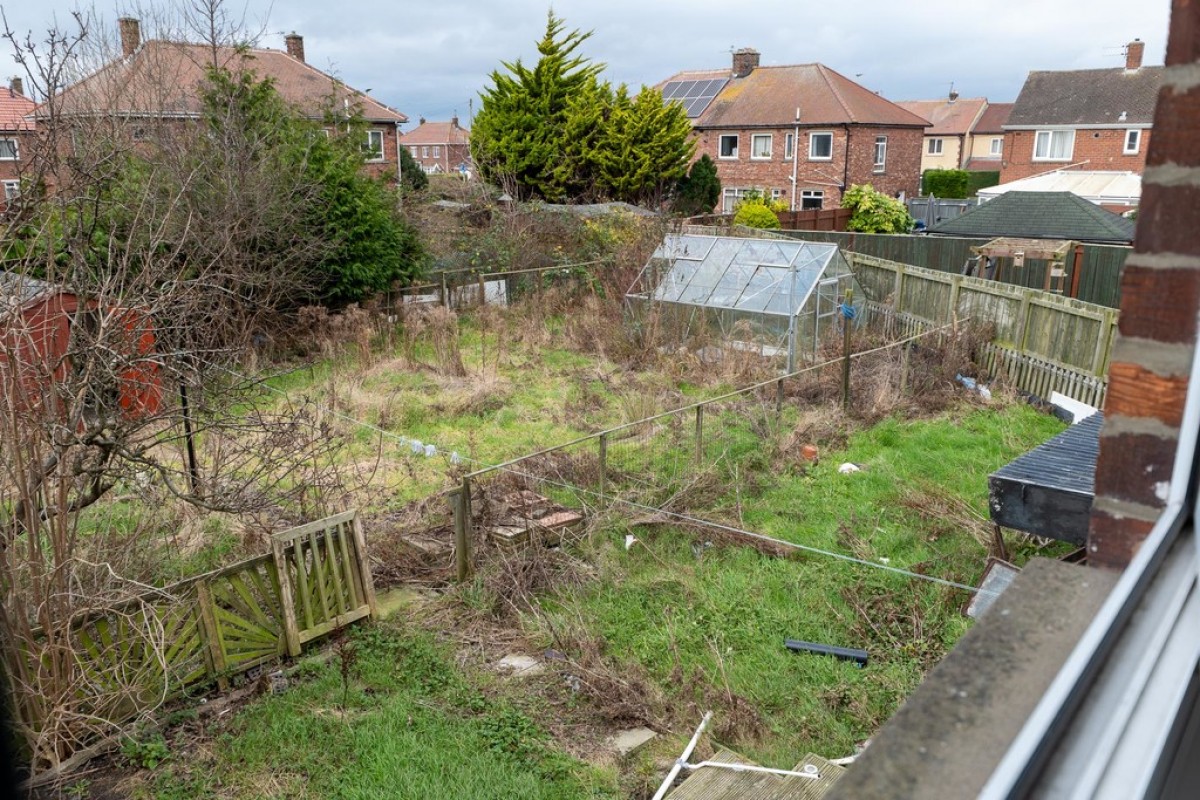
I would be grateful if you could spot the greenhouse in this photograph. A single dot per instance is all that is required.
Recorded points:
(779, 297)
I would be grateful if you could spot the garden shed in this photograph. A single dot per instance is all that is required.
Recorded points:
(775, 297)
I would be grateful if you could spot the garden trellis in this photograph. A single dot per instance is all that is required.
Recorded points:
(775, 297)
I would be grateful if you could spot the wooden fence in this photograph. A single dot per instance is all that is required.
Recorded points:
(1053, 328)
(814, 219)
(133, 656)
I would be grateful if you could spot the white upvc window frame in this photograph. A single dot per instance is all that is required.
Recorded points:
(1133, 142)
(996, 148)
(880, 154)
(12, 190)
(1048, 136)
(935, 147)
(414, 150)
(16, 148)
(789, 146)
(812, 141)
(721, 146)
(424, 151)
(374, 154)
(755, 140)
(437, 151)
(810, 195)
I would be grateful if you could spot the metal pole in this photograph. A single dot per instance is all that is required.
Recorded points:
(193, 469)
(846, 350)
(687, 752)
(699, 435)
(795, 156)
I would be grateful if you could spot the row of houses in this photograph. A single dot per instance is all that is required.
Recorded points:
(801, 133)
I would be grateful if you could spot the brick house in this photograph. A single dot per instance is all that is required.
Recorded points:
(16, 139)
(158, 80)
(987, 141)
(950, 139)
(1091, 119)
(801, 133)
(440, 147)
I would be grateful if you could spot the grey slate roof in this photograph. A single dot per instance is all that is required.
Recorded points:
(16, 290)
(1040, 215)
(1087, 97)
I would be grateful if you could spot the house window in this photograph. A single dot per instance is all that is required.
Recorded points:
(1053, 145)
(1133, 141)
(820, 147)
(880, 153)
(8, 150)
(729, 145)
(997, 145)
(437, 151)
(789, 146)
(731, 197)
(760, 146)
(425, 151)
(12, 190)
(812, 199)
(935, 147)
(414, 151)
(374, 146)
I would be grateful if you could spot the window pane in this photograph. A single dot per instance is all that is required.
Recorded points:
(789, 145)
(729, 145)
(820, 145)
(760, 146)
(8, 148)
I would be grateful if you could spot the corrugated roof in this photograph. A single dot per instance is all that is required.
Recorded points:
(948, 117)
(13, 110)
(770, 95)
(1093, 186)
(16, 289)
(162, 78)
(437, 133)
(1040, 215)
(1088, 97)
(994, 117)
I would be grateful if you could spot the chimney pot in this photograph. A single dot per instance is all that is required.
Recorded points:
(454, 121)
(1133, 54)
(745, 61)
(953, 95)
(131, 35)
(295, 45)
(420, 120)
(17, 86)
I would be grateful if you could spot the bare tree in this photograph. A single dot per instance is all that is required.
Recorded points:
(126, 307)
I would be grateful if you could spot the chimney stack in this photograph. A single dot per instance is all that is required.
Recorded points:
(131, 35)
(1133, 54)
(420, 120)
(295, 45)
(454, 121)
(744, 61)
(953, 95)
(17, 86)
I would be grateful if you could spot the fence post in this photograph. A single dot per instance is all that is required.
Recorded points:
(955, 289)
(364, 565)
(603, 464)
(779, 396)
(904, 367)
(699, 435)
(1102, 343)
(898, 292)
(445, 294)
(461, 503)
(482, 290)
(1023, 320)
(846, 351)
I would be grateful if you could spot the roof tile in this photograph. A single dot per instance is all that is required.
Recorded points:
(1088, 97)
(948, 117)
(1040, 215)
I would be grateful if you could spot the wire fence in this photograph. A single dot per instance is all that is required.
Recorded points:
(664, 467)
(471, 288)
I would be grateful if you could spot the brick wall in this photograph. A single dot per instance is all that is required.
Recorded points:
(1160, 298)
(448, 158)
(387, 167)
(857, 143)
(1101, 149)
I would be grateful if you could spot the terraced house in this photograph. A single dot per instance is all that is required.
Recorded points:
(16, 138)
(802, 133)
(156, 83)
(1087, 119)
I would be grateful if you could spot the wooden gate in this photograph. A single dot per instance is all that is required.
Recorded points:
(324, 578)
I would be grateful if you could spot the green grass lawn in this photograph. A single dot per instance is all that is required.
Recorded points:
(406, 725)
(705, 623)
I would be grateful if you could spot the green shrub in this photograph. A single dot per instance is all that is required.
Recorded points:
(755, 215)
(981, 180)
(948, 183)
(875, 212)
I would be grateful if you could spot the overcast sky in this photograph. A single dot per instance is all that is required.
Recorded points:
(430, 58)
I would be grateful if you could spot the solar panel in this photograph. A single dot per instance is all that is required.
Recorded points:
(694, 96)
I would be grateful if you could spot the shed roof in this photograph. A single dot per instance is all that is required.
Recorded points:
(16, 290)
(1040, 215)
(949, 117)
(163, 79)
(1087, 97)
(1095, 186)
(768, 96)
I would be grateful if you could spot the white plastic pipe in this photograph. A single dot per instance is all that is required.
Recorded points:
(679, 764)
